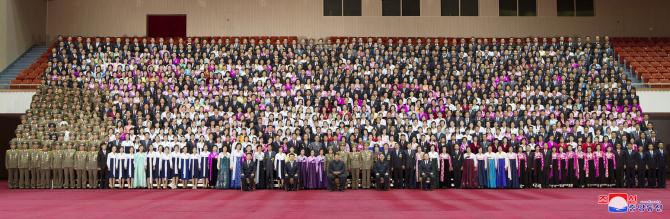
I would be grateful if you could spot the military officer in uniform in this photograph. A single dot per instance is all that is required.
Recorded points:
(92, 166)
(367, 161)
(57, 165)
(45, 167)
(12, 165)
(68, 166)
(80, 166)
(35, 169)
(355, 160)
(24, 166)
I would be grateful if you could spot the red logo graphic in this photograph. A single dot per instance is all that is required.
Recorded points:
(603, 199)
(632, 199)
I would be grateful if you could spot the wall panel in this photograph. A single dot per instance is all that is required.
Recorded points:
(305, 18)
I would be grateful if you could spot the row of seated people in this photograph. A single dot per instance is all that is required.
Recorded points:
(314, 96)
(57, 165)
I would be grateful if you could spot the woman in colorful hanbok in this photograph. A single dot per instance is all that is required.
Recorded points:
(223, 180)
(236, 166)
(469, 174)
(502, 165)
(140, 169)
(491, 164)
(481, 159)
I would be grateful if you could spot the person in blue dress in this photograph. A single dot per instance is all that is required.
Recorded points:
(185, 166)
(236, 166)
(197, 168)
(491, 168)
(481, 168)
(512, 169)
(501, 168)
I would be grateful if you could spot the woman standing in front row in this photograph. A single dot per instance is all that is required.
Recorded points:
(140, 168)
(491, 168)
(512, 169)
(223, 181)
(481, 168)
(197, 167)
(185, 167)
(165, 168)
(113, 168)
(469, 177)
(236, 166)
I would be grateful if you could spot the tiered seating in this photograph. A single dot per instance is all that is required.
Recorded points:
(31, 77)
(252, 94)
(648, 58)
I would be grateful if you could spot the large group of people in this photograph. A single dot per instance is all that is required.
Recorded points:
(309, 114)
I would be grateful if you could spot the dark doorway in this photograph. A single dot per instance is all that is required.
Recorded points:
(166, 25)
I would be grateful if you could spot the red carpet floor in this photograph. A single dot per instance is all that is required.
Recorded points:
(453, 203)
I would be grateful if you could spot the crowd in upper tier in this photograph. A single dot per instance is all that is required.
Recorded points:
(496, 113)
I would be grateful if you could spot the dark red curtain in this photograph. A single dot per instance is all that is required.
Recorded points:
(166, 25)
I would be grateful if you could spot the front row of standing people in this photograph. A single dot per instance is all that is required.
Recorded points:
(37, 165)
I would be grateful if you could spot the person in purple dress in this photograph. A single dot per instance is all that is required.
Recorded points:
(312, 173)
(302, 163)
(320, 168)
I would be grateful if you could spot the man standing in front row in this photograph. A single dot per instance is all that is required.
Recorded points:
(336, 170)
(12, 165)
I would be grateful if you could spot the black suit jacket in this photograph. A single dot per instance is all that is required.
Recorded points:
(397, 159)
(102, 159)
(291, 169)
(425, 167)
(248, 168)
(651, 161)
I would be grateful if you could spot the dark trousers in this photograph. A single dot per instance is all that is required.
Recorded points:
(398, 178)
(103, 178)
(410, 183)
(291, 183)
(651, 178)
(631, 178)
(426, 180)
(382, 182)
(248, 183)
(661, 178)
(341, 177)
(457, 177)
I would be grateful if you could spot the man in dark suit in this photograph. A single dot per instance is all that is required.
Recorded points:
(631, 166)
(336, 170)
(397, 167)
(663, 160)
(425, 172)
(291, 170)
(248, 174)
(651, 160)
(547, 167)
(381, 172)
(102, 167)
(410, 164)
(457, 163)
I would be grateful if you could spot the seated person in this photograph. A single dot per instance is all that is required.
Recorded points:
(381, 171)
(291, 170)
(248, 174)
(425, 172)
(337, 174)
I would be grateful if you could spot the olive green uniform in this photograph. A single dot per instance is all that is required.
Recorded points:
(355, 163)
(12, 165)
(45, 171)
(366, 164)
(68, 168)
(24, 166)
(80, 168)
(35, 169)
(57, 167)
(92, 168)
